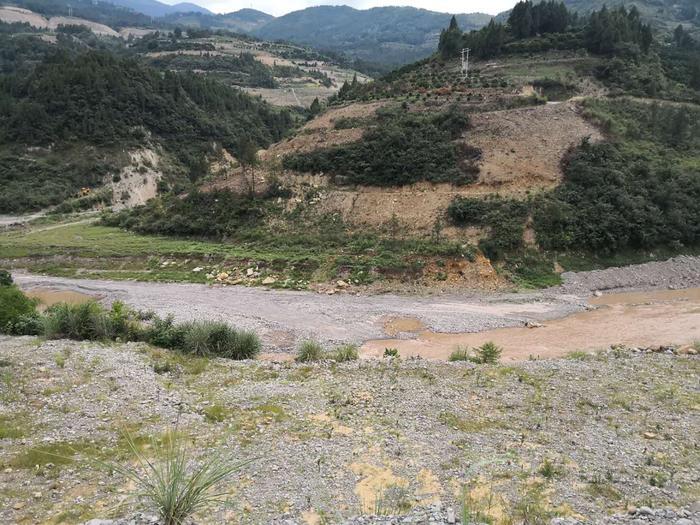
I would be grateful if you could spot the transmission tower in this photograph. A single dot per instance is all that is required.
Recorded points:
(465, 62)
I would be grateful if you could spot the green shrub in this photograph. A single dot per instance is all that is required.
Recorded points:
(402, 148)
(488, 353)
(14, 306)
(391, 352)
(29, 324)
(345, 353)
(90, 321)
(213, 338)
(309, 351)
(5, 278)
(164, 332)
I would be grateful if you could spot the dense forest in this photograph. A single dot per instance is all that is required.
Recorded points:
(96, 10)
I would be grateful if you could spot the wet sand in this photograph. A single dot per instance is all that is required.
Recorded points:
(48, 297)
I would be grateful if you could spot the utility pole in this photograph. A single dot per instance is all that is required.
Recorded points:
(465, 62)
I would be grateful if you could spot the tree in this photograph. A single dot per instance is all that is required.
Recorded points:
(315, 108)
(450, 40)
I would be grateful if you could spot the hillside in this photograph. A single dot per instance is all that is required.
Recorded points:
(390, 35)
(243, 21)
(575, 144)
(61, 132)
(158, 9)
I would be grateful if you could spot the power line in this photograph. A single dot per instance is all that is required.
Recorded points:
(465, 62)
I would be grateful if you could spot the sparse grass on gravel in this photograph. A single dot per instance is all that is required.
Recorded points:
(548, 438)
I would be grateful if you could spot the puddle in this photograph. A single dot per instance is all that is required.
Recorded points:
(48, 297)
(397, 325)
(634, 319)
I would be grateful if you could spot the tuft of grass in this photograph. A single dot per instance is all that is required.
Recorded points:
(486, 354)
(309, 351)
(205, 338)
(345, 353)
(216, 413)
(548, 469)
(172, 482)
(461, 353)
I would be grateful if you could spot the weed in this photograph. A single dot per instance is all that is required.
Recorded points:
(345, 353)
(461, 353)
(172, 482)
(391, 352)
(309, 351)
(488, 353)
(548, 469)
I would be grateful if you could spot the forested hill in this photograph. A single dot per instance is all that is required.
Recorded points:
(68, 116)
(100, 98)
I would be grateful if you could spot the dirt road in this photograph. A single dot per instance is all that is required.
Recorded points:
(283, 318)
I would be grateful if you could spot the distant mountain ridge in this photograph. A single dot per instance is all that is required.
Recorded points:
(159, 9)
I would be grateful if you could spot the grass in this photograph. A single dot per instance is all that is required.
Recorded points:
(172, 482)
(471, 425)
(345, 353)
(309, 351)
(297, 254)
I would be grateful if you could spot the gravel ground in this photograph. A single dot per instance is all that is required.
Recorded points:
(283, 318)
(679, 272)
(582, 439)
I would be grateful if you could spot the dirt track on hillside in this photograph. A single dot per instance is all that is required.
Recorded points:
(284, 318)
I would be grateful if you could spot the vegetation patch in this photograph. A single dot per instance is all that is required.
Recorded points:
(404, 147)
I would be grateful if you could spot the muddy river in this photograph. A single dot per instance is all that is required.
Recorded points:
(634, 319)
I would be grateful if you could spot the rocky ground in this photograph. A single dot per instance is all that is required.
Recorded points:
(578, 439)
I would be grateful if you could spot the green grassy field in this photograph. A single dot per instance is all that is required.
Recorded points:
(87, 249)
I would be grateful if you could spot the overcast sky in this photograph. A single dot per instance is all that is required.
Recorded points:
(278, 7)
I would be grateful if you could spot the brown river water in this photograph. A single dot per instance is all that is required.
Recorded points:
(635, 319)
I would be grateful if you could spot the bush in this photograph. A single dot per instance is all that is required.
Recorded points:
(208, 338)
(14, 306)
(345, 353)
(309, 351)
(29, 324)
(5, 278)
(402, 148)
(488, 353)
(90, 321)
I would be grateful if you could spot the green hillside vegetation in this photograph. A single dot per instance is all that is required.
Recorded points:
(402, 148)
(74, 99)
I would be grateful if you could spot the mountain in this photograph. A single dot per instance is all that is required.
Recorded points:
(243, 21)
(390, 35)
(159, 9)
(664, 15)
